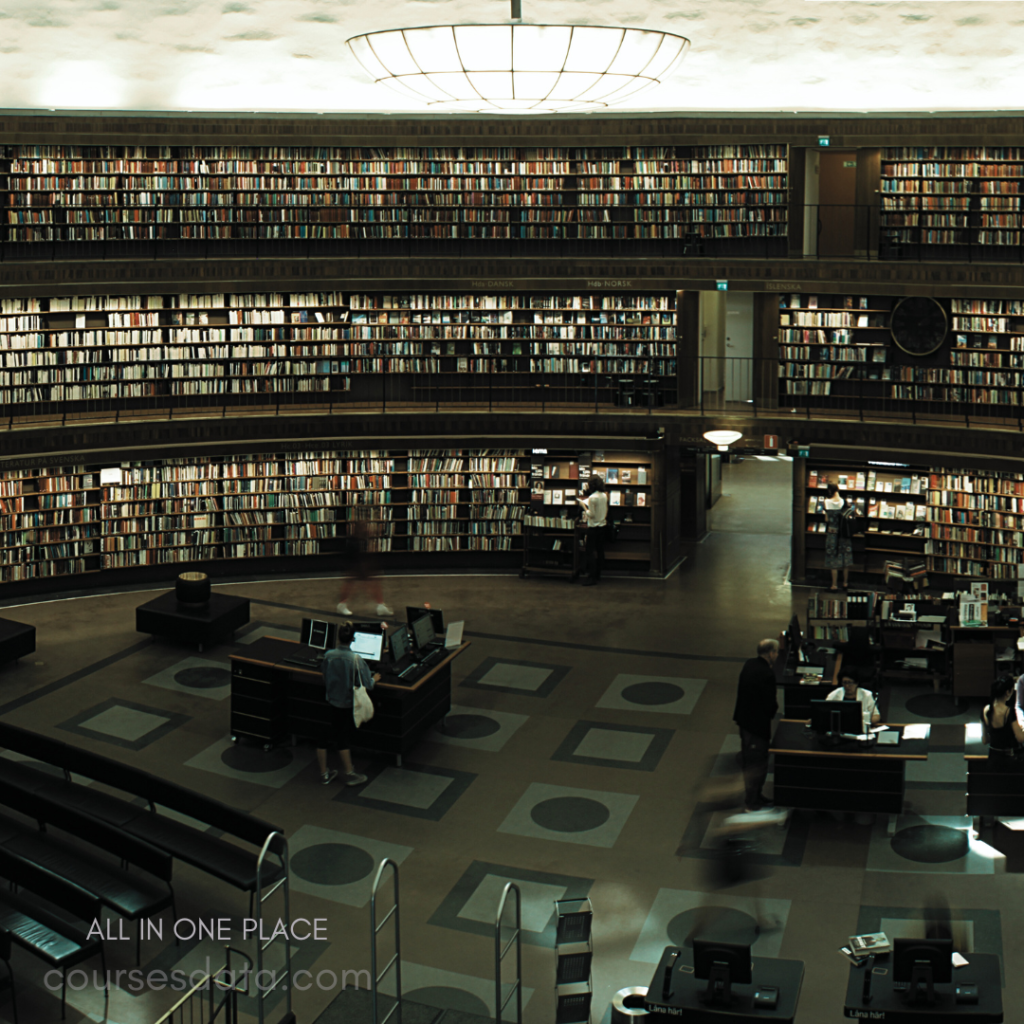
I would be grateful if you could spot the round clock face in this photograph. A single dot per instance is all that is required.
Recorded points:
(919, 325)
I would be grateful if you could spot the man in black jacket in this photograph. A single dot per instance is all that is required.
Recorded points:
(755, 708)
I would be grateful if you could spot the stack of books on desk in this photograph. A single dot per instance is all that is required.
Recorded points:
(871, 943)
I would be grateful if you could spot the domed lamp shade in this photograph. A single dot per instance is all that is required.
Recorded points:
(722, 438)
(516, 68)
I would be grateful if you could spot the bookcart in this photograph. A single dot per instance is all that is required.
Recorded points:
(550, 550)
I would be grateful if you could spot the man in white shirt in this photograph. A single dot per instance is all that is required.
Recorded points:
(595, 507)
(851, 691)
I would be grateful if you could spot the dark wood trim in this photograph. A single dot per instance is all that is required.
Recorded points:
(701, 128)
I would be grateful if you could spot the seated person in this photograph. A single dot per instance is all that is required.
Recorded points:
(1003, 733)
(854, 655)
(851, 691)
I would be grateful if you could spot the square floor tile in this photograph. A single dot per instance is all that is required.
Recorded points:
(449, 990)
(199, 676)
(605, 745)
(678, 914)
(124, 723)
(588, 817)
(509, 675)
(472, 904)
(476, 728)
(415, 790)
(339, 866)
(663, 695)
(262, 629)
(271, 768)
(930, 844)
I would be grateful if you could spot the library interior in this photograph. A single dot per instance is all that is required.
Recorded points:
(325, 323)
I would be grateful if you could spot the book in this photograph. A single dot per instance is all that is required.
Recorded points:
(812, 478)
(843, 480)
(864, 302)
(615, 497)
(641, 498)
(641, 475)
(873, 942)
(574, 470)
(794, 302)
(556, 497)
(629, 498)
(860, 481)
(611, 475)
(812, 302)
(862, 320)
(547, 497)
(625, 475)
(871, 479)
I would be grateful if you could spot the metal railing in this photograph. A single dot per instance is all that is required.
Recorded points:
(376, 977)
(501, 950)
(214, 998)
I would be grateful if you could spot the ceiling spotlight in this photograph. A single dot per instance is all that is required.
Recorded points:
(519, 68)
(722, 438)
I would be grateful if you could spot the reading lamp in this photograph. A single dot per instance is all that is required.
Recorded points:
(722, 438)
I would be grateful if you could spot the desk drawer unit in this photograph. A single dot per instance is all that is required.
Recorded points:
(838, 783)
(995, 790)
(257, 704)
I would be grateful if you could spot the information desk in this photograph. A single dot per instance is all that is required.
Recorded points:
(887, 1004)
(685, 1001)
(16, 640)
(273, 702)
(814, 774)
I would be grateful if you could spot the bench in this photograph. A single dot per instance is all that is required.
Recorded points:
(247, 870)
(40, 930)
(131, 896)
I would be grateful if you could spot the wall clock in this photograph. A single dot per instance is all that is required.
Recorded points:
(918, 325)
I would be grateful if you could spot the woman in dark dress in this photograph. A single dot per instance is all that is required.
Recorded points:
(1003, 733)
(840, 517)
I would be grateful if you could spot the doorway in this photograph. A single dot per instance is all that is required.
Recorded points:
(739, 347)
(837, 197)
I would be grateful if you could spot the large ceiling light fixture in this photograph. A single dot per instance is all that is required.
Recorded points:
(517, 68)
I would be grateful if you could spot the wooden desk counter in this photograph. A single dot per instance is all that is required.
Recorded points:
(273, 702)
(995, 787)
(813, 775)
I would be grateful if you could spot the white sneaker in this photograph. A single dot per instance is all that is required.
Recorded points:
(343, 609)
(354, 779)
(382, 609)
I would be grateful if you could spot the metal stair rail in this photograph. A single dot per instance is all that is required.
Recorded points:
(277, 845)
(199, 1005)
(500, 952)
(574, 945)
(396, 960)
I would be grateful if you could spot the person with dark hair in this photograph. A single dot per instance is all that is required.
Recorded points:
(362, 569)
(1003, 733)
(595, 509)
(343, 671)
(755, 708)
(841, 518)
(849, 690)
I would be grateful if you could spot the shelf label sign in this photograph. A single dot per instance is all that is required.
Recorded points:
(771, 442)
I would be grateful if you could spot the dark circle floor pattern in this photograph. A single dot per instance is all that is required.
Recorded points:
(933, 705)
(470, 727)
(721, 924)
(203, 678)
(255, 759)
(445, 998)
(570, 814)
(930, 844)
(331, 864)
(652, 693)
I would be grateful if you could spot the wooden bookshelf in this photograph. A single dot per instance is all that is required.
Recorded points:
(922, 521)
(133, 351)
(721, 195)
(947, 198)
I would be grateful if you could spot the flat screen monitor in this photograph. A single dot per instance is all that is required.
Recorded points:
(837, 716)
(922, 960)
(412, 614)
(319, 634)
(721, 964)
(400, 643)
(423, 630)
(367, 645)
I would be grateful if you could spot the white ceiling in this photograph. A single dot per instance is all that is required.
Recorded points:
(289, 55)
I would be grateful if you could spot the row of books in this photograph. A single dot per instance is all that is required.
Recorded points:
(871, 480)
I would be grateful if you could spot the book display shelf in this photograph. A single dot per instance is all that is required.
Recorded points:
(158, 351)
(921, 525)
(211, 510)
(946, 199)
(559, 478)
(829, 616)
(648, 199)
(832, 354)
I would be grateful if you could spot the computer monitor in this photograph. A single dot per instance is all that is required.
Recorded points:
(927, 962)
(412, 613)
(721, 964)
(400, 643)
(367, 645)
(423, 630)
(318, 633)
(837, 716)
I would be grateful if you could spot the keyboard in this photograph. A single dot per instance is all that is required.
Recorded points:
(305, 662)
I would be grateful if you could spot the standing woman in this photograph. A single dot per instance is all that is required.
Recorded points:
(595, 505)
(838, 536)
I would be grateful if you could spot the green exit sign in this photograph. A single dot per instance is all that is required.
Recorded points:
(803, 453)
(823, 140)
(849, 163)
(722, 286)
